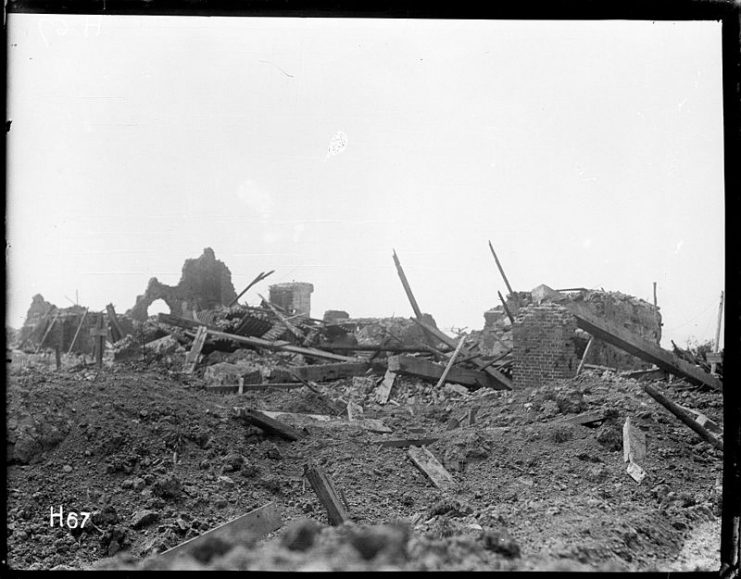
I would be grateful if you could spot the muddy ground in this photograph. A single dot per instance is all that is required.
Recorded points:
(158, 460)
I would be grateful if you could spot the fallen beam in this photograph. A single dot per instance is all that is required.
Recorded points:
(324, 372)
(328, 495)
(268, 424)
(639, 347)
(425, 461)
(684, 416)
(234, 389)
(376, 348)
(499, 381)
(587, 418)
(256, 524)
(450, 363)
(409, 366)
(384, 388)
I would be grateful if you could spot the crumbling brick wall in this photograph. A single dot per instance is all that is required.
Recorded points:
(544, 348)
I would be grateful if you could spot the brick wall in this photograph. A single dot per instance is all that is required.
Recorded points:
(543, 345)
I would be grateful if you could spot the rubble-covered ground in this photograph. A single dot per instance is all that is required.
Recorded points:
(158, 460)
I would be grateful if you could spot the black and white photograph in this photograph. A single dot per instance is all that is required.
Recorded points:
(316, 292)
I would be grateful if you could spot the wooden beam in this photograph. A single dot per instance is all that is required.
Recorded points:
(410, 366)
(329, 497)
(506, 309)
(324, 372)
(587, 418)
(46, 333)
(425, 461)
(268, 424)
(450, 363)
(684, 416)
(180, 322)
(584, 356)
(376, 348)
(283, 320)
(256, 523)
(77, 332)
(99, 333)
(194, 354)
(261, 276)
(115, 324)
(407, 288)
(498, 382)
(639, 347)
(501, 271)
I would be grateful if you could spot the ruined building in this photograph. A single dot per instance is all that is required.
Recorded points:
(293, 297)
(205, 283)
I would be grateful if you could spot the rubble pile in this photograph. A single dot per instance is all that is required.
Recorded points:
(255, 437)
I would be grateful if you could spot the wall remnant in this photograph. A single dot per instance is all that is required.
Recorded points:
(205, 284)
(292, 297)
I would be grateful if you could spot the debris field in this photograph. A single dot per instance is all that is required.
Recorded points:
(228, 436)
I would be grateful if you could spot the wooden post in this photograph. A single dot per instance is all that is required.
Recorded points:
(117, 332)
(58, 356)
(584, 356)
(407, 288)
(328, 495)
(450, 363)
(714, 365)
(46, 333)
(191, 358)
(501, 271)
(99, 334)
(77, 332)
(680, 413)
(506, 309)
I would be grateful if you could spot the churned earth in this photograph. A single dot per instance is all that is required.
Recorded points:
(158, 459)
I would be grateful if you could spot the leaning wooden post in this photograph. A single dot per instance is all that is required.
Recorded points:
(77, 332)
(584, 356)
(46, 333)
(501, 271)
(407, 288)
(684, 416)
(506, 309)
(450, 363)
(328, 495)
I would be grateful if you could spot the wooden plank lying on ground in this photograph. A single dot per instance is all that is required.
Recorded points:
(194, 354)
(684, 416)
(404, 442)
(703, 420)
(256, 523)
(371, 424)
(638, 346)
(268, 424)
(587, 417)
(425, 461)
(233, 389)
(328, 495)
(409, 366)
(324, 372)
(384, 388)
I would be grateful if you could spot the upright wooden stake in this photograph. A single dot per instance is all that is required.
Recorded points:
(46, 333)
(99, 333)
(77, 332)
(407, 289)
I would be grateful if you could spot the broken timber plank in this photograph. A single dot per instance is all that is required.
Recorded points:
(501, 271)
(499, 381)
(278, 345)
(584, 355)
(639, 347)
(425, 461)
(191, 358)
(634, 443)
(450, 363)
(328, 495)
(684, 416)
(409, 366)
(384, 389)
(261, 276)
(268, 424)
(256, 524)
(587, 418)
(283, 320)
(77, 332)
(506, 309)
(404, 442)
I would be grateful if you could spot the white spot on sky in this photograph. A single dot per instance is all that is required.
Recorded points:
(256, 199)
(337, 144)
(679, 246)
(587, 243)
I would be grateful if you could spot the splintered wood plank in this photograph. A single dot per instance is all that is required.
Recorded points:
(192, 357)
(418, 367)
(384, 389)
(587, 417)
(425, 461)
(634, 443)
(269, 424)
(256, 523)
(328, 495)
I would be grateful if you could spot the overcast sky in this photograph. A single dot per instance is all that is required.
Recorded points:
(589, 153)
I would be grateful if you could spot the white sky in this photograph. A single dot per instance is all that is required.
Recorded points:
(589, 153)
